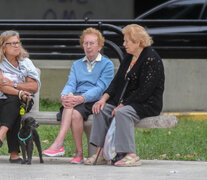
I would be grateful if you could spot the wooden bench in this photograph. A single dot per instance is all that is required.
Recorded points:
(49, 118)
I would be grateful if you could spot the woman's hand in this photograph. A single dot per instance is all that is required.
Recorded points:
(1, 81)
(114, 111)
(5, 82)
(71, 101)
(99, 105)
(23, 95)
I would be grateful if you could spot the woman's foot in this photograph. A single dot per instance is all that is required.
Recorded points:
(16, 161)
(92, 159)
(77, 160)
(14, 158)
(53, 153)
(128, 161)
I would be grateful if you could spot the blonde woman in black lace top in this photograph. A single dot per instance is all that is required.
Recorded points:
(143, 96)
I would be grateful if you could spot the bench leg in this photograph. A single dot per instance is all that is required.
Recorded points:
(91, 148)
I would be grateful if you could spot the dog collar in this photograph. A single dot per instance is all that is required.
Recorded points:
(24, 139)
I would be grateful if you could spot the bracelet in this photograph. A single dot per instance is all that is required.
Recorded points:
(19, 94)
(23, 95)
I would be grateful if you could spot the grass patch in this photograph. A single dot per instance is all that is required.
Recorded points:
(48, 105)
(186, 141)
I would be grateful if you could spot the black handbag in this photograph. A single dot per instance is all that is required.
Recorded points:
(59, 114)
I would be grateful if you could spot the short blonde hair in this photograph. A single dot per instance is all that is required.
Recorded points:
(4, 37)
(137, 33)
(92, 31)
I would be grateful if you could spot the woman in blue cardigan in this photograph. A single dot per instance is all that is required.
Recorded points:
(143, 97)
(89, 78)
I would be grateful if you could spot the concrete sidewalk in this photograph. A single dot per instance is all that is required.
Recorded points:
(59, 168)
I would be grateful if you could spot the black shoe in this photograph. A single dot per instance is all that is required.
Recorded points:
(1, 143)
(118, 157)
(58, 116)
(16, 161)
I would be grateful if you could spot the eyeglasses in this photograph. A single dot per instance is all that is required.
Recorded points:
(14, 44)
(85, 44)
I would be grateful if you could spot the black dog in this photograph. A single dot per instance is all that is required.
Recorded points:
(27, 134)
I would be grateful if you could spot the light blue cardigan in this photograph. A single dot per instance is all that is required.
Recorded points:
(91, 85)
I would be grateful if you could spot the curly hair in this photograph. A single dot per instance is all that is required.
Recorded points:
(4, 37)
(92, 31)
(137, 33)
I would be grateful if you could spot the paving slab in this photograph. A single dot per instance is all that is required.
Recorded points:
(60, 169)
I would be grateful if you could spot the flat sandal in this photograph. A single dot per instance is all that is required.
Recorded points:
(129, 161)
(100, 160)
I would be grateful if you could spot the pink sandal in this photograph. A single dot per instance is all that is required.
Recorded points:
(53, 153)
(77, 160)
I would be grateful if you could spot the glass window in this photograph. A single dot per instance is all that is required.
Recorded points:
(187, 9)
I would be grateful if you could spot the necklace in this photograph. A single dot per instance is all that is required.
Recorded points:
(134, 60)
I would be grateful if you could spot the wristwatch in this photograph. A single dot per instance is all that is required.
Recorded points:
(15, 85)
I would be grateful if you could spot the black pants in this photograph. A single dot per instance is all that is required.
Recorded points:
(10, 117)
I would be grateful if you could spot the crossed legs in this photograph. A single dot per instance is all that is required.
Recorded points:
(71, 118)
(65, 125)
(77, 131)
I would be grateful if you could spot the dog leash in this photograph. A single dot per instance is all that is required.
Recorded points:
(24, 139)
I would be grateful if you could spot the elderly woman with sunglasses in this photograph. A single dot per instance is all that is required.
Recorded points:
(18, 79)
(89, 78)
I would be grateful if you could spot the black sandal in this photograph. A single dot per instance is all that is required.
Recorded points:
(16, 161)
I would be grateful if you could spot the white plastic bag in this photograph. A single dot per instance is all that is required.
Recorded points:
(109, 144)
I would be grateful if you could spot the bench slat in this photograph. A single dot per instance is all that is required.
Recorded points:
(161, 121)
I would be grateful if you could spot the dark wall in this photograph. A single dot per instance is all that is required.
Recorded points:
(66, 9)
(146, 5)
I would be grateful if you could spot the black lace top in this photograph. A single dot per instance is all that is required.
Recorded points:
(146, 85)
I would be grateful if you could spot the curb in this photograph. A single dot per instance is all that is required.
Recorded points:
(197, 116)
